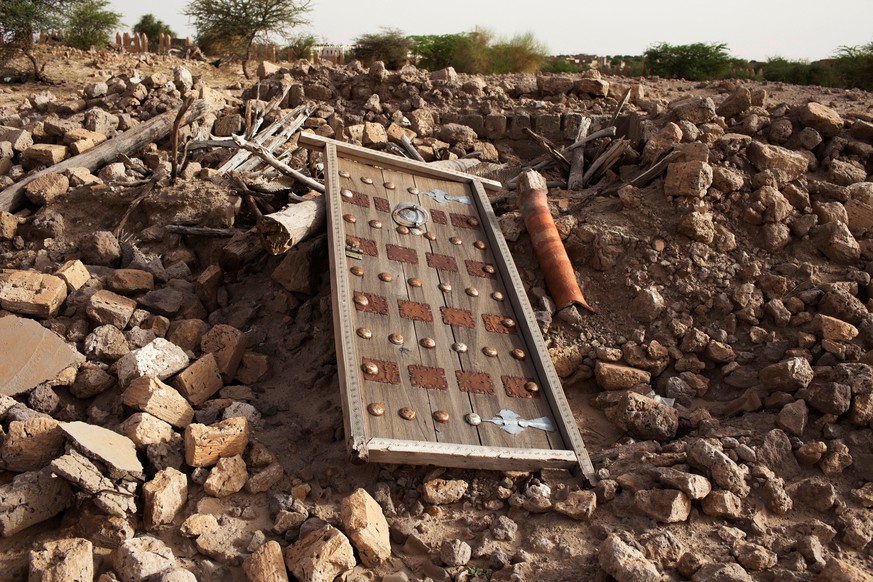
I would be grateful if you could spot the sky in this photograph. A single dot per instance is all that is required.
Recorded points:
(752, 29)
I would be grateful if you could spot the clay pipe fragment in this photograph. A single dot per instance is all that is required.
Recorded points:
(554, 262)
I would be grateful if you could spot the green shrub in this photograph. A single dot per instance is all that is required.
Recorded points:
(152, 27)
(694, 62)
(90, 24)
(854, 64)
(436, 51)
(390, 46)
(522, 53)
(300, 46)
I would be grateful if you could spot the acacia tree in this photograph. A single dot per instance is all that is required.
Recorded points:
(89, 24)
(20, 20)
(239, 23)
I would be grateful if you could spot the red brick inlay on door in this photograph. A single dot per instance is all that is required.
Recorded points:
(428, 377)
(367, 246)
(475, 382)
(388, 372)
(514, 387)
(441, 262)
(402, 254)
(458, 317)
(414, 310)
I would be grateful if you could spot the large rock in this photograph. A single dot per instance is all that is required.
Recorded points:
(836, 242)
(159, 358)
(31, 293)
(691, 179)
(266, 564)
(618, 377)
(663, 505)
(112, 499)
(31, 443)
(321, 556)
(643, 417)
(31, 498)
(725, 472)
(64, 560)
(228, 476)
(823, 119)
(624, 562)
(364, 522)
(695, 110)
(694, 486)
(140, 558)
(31, 355)
(785, 164)
(443, 492)
(148, 394)
(787, 376)
(164, 497)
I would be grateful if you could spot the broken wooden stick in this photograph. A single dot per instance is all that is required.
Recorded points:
(577, 158)
(581, 141)
(262, 153)
(647, 176)
(284, 229)
(174, 139)
(132, 140)
(606, 161)
(407, 145)
(554, 262)
(200, 231)
(548, 147)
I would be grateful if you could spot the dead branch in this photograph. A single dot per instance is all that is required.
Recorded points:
(174, 141)
(548, 147)
(200, 231)
(265, 155)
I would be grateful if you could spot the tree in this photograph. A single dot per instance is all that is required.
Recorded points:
(90, 23)
(20, 20)
(300, 46)
(237, 24)
(694, 62)
(390, 46)
(152, 27)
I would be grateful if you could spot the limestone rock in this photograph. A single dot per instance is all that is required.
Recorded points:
(321, 556)
(691, 179)
(266, 564)
(199, 381)
(164, 497)
(228, 476)
(364, 522)
(723, 504)
(821, 118)
(694, 486)
(148, 394)
(624, 562)
(204, 445)
(32, 498)
(617, 377)
(579, 505)
(455, 552)
(69, 559)
(144, 429)
(228, 345)
(643, 417)
(159, 358)
(442, 492)
(31, 293)
(725, 472)
(31, 444)
(787, 165)
(140, 558)
(116, 451)
(663, 505)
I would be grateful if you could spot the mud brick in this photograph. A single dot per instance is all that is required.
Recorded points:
(402, 254)
(130, 281)
(428, 377)
(438, 217)
(8, 225)
(514, 387)
(477, 269)
(148, 394)
(199, 381)
(458, 317)
(475, 382)
(266, 564)
(207, 284)
(441, 262)
(42, 154)
(375, 304)
(227, 344)
(74, 274)
(382, 204)
(358, 199)
(106, 307)
(414, 310)
(205, 444)
(367, 246)
(494, 323)
(388, 372)
(31, 293)
(67, 559)
(464, 221)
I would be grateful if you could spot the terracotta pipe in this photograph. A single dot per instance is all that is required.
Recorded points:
(554, 262)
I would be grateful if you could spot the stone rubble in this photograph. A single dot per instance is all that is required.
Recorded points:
(727, 375)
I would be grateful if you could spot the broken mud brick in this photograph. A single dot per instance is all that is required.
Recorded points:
(477, 269)
(402, 254)
(494, 323)
(441, 262)
(515, 387)
(367, 246)
(374, 304)
(388, 372)
(381, 204)
(427, 377)
(358, 199)
(458, 317)
(438, 217)
(415, 311)
(475, 382)
(464, 221)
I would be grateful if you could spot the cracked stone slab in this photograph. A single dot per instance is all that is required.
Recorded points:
(115, 451)
(80, 471)
(32, 355)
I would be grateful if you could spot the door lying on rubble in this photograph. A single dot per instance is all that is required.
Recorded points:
(440, 358)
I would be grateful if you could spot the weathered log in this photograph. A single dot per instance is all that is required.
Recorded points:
(200, 231)
(284, 229)
(554, 262)
(155, 129)
(577, 158)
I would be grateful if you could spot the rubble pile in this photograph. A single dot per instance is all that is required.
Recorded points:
(170, 408)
